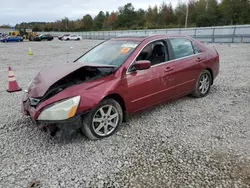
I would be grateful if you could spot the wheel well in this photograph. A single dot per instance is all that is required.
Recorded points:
(119, 99)
(211, 72)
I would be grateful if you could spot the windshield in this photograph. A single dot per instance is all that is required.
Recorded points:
(111, 52)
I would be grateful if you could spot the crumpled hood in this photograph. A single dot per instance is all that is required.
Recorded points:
(51, 75)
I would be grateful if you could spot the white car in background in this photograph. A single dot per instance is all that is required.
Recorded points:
(72, 37)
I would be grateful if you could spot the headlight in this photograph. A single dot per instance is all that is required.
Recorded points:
(61, 110)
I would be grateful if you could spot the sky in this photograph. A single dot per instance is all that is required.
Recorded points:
(16, 11)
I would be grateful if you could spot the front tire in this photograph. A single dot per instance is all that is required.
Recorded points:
(103, 121)
(203, 84)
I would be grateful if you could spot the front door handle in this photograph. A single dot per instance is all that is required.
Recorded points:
(168, 69)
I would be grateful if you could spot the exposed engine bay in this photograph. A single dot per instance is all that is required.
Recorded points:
(77, 77)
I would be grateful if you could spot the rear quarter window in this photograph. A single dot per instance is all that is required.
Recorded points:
(196, 48)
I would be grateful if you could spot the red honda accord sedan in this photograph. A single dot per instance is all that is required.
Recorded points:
(118, 77)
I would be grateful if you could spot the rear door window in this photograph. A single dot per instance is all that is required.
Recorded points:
(182, 47)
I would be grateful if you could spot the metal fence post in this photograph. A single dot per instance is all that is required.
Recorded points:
(233, 34)
(213, 34)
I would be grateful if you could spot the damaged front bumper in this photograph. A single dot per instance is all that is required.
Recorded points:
(62, 129)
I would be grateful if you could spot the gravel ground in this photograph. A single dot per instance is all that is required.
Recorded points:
(185, 143)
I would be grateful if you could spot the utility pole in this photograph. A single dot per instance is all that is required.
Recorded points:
(186, 14)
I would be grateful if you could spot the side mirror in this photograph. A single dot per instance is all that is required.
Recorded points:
(142, 65)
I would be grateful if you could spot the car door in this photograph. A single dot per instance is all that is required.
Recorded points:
(164, 74)
(139, 88)
(146, 87)
(12, 39)
(186, 62)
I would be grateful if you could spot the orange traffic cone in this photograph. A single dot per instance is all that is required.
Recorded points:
(13, 85)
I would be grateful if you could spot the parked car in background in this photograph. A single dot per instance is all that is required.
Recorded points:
(43, 37)
(3, 35)
(7, 38)
(64, 35)
(72, 37)
(119, 77)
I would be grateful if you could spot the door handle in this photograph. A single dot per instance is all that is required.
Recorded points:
(168, 69)
(199, 59)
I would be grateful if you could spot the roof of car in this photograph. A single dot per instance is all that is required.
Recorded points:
(141, 37)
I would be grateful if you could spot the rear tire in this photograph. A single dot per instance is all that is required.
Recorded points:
(103, 121)
(203, 84)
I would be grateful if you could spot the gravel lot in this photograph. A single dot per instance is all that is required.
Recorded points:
(185, 143)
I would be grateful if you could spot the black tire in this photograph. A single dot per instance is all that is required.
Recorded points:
(67, 39)
(87, 126)
(197, 93)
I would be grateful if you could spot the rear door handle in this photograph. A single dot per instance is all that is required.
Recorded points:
(199, 59)
(168, 69)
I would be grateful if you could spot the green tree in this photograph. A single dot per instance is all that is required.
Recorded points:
(232, 11)
(87, 22)
(201, 13)
(202, 18)
(244, 17)
(99, 20)
(140, 18)
(152, 17)
(180, 13)
(5, 26)
(192, 12)
(126, 15)
(212, 12)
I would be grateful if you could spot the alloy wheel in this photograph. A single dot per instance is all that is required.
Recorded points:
(105, 120)
(204, 83)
